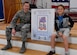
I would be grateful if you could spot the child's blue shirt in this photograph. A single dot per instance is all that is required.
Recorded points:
(60, 21)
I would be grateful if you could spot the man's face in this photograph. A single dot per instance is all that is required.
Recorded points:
(26, 7)
(60, 10)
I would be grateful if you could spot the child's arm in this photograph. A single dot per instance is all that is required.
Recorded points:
(71, 22)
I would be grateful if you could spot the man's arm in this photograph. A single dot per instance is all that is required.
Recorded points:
(14, 20)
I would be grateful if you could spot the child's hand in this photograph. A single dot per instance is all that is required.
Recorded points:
(60, 33)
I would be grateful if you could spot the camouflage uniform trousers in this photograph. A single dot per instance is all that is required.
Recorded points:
(23, 28)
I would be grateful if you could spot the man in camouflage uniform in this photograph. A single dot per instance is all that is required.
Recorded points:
(24, 26)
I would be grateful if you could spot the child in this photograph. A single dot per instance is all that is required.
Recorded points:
(63, 25)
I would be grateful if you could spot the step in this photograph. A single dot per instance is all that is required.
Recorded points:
(40, 45)
(71, 39)
(59, 44)
(15, 50)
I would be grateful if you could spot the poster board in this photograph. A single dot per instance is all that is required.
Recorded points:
(42, 24)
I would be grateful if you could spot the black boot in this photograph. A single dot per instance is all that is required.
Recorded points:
(8, 46)
(23, 48)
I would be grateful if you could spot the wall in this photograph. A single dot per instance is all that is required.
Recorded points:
(47, 3)
(11, 7)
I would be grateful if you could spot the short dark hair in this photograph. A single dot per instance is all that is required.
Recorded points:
(61, 6)
(25, 2)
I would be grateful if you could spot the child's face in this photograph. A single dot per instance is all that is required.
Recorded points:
(60, 10)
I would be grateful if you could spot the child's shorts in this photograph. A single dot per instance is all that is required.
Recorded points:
(65, 31)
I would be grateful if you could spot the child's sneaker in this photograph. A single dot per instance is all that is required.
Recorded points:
(51, 53)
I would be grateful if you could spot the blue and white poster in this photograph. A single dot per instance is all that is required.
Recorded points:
(1, 10)
(42, 25)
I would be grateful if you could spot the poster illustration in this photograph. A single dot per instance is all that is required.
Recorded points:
(42, 24)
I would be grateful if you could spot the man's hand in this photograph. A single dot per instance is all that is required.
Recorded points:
(13, 31)
(60, 33)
